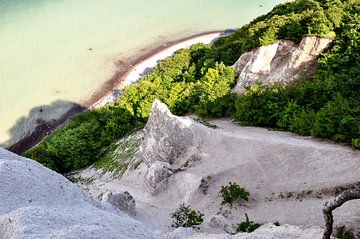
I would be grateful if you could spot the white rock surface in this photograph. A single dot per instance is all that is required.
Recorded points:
(168, 138)
(170, 143)
(267, 231)
(282, 62)
(36, 202)
(222, 223)
(122, 201)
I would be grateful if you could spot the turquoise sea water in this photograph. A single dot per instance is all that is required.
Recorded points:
(44, 46)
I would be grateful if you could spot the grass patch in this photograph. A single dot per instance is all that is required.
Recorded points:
(120, 156)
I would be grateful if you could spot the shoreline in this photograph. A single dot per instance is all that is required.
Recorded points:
(133, 67)
(128, 71)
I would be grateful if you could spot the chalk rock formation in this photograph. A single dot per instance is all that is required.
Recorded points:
(122, 201)
(168, 138)
(282, 62)
(170, 142)
(39, 203)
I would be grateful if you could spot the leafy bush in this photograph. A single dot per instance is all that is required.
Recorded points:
(247, 226)
(184, 216)
(356, 143)
(232, 192)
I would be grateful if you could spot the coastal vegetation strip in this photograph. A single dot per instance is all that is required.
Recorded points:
(199, 80)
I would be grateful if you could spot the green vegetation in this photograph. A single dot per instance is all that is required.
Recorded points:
(233, 192)
(291, 20)
(184, 216)
(342, 233)
(326, 106)
(247, 226)
(120, 155)
(199, 80)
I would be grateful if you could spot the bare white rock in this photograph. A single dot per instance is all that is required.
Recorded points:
(282, 62)
(168, 138)
(222, 223)
(157, 176)
(122, 201)
(170, 143)
(36, 202)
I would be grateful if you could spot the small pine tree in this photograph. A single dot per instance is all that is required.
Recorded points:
(342, 233)
(247, 226)
(232, 192)
(184, 216)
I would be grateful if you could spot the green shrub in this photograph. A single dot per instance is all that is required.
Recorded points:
(247, 226)
(342, 233)
(184, 216)
(232, 192)
(356, 143)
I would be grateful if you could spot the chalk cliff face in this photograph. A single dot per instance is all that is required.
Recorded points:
(282, 62)
(39, 203)
(168, 138)
(170, 143)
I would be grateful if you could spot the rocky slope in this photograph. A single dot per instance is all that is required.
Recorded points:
(289, 177)
(282, 62)
(39, 203)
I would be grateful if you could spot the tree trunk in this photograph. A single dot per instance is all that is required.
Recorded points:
(335, 203)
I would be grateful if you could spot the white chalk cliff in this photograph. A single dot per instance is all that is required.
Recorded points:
(282, 62)
(36, 202)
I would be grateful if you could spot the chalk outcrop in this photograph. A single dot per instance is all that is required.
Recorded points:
(170, 143)
(168, 138)
(282, 62)
(39, 203)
